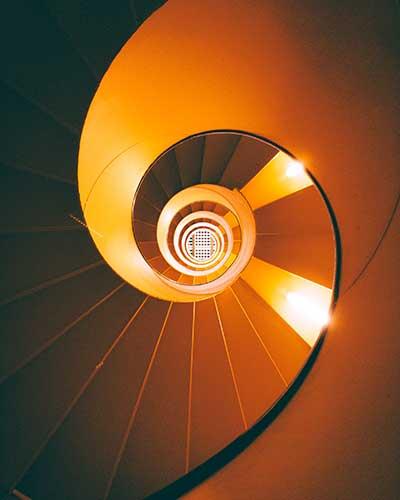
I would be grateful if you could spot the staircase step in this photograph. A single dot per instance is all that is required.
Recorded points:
(51, 150)
(97, 423)
(218, 149)
(47, 70)
(249, 157)
(50, 383)
(287, 348)
(189, 156)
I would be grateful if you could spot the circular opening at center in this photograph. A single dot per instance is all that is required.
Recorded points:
(201, 244)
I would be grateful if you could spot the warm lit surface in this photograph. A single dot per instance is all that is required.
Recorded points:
(280, 177)
(110, 216)
(304, 305)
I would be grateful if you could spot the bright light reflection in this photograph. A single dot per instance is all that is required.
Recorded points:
(306, 307)
(294, 169)
(302, 303)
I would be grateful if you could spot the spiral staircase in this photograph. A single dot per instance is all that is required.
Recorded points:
(151, 317)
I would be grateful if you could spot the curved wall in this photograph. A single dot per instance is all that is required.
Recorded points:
(322, 79)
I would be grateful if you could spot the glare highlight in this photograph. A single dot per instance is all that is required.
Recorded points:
(280, 177)
(303, 304)
(294, 169)
(306, 307)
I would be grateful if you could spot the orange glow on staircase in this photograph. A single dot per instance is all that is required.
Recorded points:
(303, 304)
(279, 178)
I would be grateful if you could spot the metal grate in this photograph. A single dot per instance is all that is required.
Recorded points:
(201, 245)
